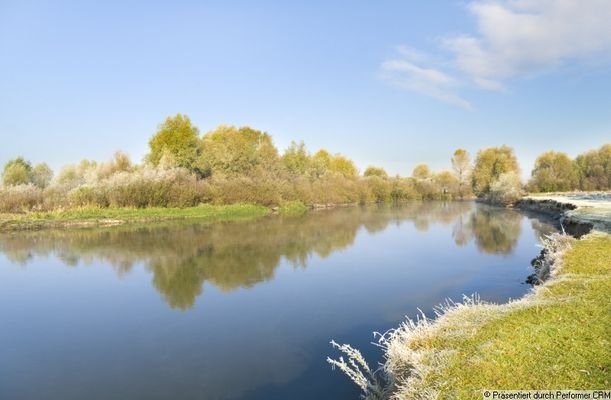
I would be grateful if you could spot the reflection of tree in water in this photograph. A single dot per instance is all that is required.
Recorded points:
(182, 256)
(495, 230)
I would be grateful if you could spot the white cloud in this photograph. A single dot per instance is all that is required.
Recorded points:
(428, 81)
(521, 37)
(513, 38)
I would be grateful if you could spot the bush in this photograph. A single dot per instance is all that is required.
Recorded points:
(507, 189)
(20, 198)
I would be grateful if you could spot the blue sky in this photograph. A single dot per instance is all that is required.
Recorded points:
(390, 83)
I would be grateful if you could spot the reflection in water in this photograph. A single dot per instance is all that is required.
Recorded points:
(366, 268)
(182, 256)
(495, 230)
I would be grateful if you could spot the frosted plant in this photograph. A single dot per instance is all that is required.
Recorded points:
(358, 371)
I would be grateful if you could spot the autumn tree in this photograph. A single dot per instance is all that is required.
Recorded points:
(594, 169)
(421, 171)
(447, 184)
(553, 172)
(232, 151)
(375, 171)
(461, 164)
(17, 172)
(41, 175)
(490, 164)
(343, 165)
(177, 138)
(296, 160)
(321, 163)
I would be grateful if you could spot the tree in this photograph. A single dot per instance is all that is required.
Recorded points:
(553, 172)
(17, 172)
(461, 164)
(594, 169)
(178, 137)
(446, 182)
(321, 163)
(490, 164)
(421, 171)
(344, 166)
(507, 189)
(375, 171)
(232, 151)
(41, 175)
(296, 159)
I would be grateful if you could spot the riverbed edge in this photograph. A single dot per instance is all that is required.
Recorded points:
(417, 351)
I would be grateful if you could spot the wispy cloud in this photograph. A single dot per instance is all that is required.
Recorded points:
(431, 82)
(515, 38)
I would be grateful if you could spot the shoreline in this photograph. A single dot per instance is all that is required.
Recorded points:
(107, 217)
(473, 345)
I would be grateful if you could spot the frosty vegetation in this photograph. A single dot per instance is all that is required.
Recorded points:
(410, 359)
(241, 165)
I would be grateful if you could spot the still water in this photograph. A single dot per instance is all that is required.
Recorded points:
(240, 310)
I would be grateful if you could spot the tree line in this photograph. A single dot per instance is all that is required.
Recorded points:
(240, 164)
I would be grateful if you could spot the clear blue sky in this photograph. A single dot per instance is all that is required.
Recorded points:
(390, 83)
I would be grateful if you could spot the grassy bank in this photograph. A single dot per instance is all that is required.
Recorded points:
(557, 337)
(86, 217)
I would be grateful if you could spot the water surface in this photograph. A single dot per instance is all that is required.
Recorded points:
(239, 310)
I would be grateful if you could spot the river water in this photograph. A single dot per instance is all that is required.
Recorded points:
(239, 310)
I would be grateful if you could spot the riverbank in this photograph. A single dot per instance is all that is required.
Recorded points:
(578, 212)
(555, 337)
(92, 217)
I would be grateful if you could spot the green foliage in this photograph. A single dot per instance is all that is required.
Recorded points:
(231, 151)
(553, 172)
(178, 138)
(17, 172)
(490, 164)
(296, 160)
(375, 171)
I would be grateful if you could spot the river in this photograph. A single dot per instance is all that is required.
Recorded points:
(239, 310)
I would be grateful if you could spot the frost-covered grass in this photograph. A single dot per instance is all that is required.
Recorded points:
(91, 216)
(556, 337)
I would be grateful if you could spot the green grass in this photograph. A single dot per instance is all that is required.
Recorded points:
(116, 216)
(562, 340)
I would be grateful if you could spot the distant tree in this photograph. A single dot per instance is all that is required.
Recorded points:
(344, 166)
(296, 159)
(231, 151)
(553, 172)
(490, 164)
(41, 175)
(178, 137)
(375, 171)
(17, 172)
(594, 169)
(421, 171)
(321, 163)
(461, 164)
(446, 183)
